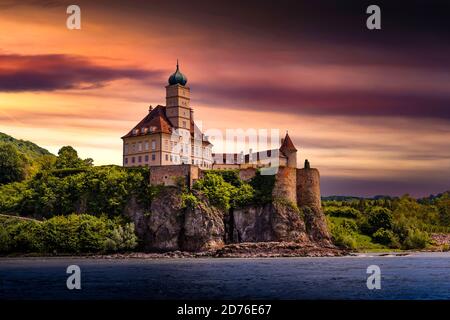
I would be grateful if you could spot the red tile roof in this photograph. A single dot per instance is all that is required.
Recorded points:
(155, 122)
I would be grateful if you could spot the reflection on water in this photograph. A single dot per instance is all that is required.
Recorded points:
(418, 276)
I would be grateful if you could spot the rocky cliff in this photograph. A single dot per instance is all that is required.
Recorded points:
(171, 225)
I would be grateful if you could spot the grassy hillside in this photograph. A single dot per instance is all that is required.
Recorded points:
(20, 159)
(30, 149)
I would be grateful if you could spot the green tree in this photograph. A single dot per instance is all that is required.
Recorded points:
(443, 205)
(13, 165)
(68, 158)
(218, 192)
(378, 218)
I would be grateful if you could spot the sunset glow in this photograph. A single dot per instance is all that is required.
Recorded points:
(371, 112)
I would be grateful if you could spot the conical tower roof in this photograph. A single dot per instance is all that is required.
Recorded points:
(287, 145)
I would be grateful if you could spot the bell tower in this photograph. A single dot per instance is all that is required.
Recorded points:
(178, 109)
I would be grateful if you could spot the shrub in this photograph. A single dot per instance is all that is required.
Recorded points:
(386, 237)
(416, 239)
(218, 192)
(230, 176)
(74, 233)
(378, 218)
(20, 236)
(343, 233)
(66, 234)
(189, 200)
(121, 238)
(344, 212)
(342, 237)
(244, 195)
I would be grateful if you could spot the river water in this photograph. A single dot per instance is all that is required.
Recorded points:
(416, 276)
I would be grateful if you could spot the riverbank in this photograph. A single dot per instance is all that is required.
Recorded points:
(244, 250)
(238, 250)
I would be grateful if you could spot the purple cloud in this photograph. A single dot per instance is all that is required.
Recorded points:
(63, 72)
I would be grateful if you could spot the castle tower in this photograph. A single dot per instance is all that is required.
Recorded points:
(289, 150)
(309, 200)
(178, 109)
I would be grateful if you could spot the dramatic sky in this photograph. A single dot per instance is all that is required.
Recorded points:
(370, 109)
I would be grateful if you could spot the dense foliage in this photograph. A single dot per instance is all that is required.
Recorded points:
(93, 190)
(387, 222)
(72, 234)
(226, 190)
(68, 184)
(20, 159)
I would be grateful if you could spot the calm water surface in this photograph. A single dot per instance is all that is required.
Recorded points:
(418, 276)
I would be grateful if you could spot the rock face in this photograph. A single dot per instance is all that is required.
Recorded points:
(168, 226)
(294, 216)
(165, 221)
(272, 222)
(204, 227)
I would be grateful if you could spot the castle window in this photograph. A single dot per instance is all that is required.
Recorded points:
(146, 158)
(184, 124)
(153, 145)
(146, 145)
(133, 160)
(167, 157)
(140, 159)
(153, 157)
(126, 160)
(126, 149)
(139, 146)
(171, 158)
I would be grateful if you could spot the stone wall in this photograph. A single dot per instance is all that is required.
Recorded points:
(247, 174)
(170, 175)
(285, 184)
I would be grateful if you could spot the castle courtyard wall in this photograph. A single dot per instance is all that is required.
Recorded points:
(171, 175)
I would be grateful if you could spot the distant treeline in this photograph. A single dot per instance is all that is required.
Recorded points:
(398, 223)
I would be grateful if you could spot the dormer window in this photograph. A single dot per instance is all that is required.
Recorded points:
(143, 130)
(152, 128)
(135, 131)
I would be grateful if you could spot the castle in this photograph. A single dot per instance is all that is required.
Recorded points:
(168, 135)
(168, 142)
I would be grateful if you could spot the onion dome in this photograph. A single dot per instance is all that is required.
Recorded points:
(177, 77)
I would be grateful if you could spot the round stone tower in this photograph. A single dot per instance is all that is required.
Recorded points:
(308, 188)
(309, 201)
